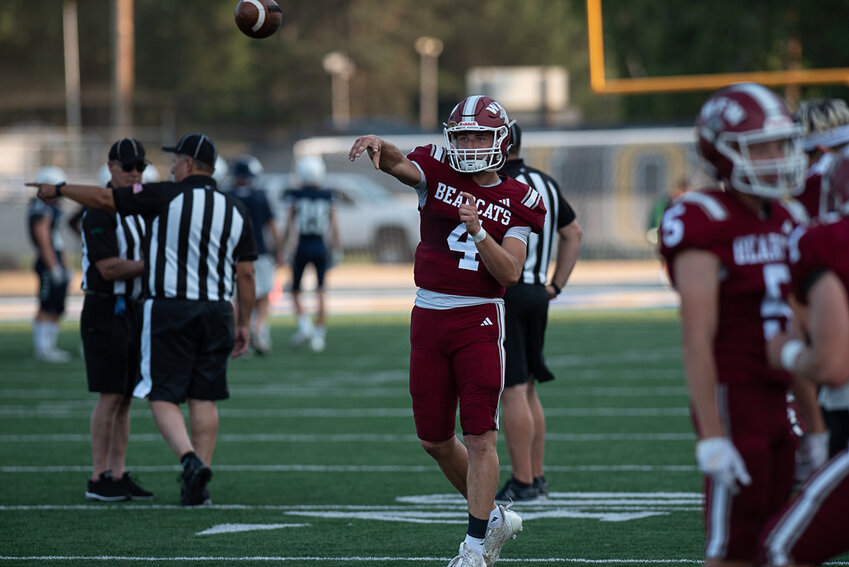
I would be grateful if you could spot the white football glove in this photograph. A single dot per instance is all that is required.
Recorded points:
(719, 459)
(812, 453)
(58, 275)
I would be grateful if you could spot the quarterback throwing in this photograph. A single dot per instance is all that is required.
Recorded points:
(474, 231)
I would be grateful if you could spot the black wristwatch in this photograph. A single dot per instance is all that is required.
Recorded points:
(556, 288)
(58, 188)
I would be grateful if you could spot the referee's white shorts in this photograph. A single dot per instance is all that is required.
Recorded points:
(264, 274)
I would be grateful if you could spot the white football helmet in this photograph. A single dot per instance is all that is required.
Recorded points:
(478, 114)
(104, 176)
(219, 174)
(311, 170)
(254, 165)
(51, 174)
(150, 174)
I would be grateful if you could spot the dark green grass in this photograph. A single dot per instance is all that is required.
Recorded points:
(613, 371)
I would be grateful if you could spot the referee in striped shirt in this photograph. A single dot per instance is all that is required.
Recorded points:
(526, 316)
(199, 244)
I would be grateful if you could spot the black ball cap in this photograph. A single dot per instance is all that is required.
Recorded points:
(127, 150)
(197, 146)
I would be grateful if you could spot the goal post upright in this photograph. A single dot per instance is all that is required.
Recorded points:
(704, 82)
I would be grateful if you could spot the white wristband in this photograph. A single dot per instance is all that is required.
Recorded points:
(790, 352)
(479, 236)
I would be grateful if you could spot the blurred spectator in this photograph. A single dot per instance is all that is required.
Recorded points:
(660, 205)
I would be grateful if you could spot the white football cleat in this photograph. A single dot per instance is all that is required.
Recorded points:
(305, 331)
(317, 343)
(497, 537)
(467, 558)
(53, 356)
(262, 341)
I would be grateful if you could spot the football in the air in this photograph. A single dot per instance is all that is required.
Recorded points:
(258, 18)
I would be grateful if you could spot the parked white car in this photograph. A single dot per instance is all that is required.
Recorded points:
(371, 217)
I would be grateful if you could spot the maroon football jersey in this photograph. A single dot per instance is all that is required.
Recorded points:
(812, 251)
(754, 275)
(812, 198)
(447, 259)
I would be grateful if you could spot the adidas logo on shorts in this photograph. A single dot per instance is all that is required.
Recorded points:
(486, 322)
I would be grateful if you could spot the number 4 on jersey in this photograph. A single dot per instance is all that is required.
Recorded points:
(467, 247)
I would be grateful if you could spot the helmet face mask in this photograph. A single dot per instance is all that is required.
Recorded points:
(734, 127)
(478, 114)
(769, 177)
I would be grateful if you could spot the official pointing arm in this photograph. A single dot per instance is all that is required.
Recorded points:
(92, 196)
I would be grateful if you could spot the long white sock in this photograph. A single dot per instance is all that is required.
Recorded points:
(52, 332)
(305, 324)
(39, 343)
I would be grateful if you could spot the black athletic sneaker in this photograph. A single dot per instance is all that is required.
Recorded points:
(195, 476)
(512, 491)
(541, 485)
(133, 489)
(106, 489)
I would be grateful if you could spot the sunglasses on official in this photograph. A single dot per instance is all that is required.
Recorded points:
(138, 166)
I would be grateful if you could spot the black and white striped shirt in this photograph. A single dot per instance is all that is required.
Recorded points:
(195, 237)
(558, 214)
(110, 235)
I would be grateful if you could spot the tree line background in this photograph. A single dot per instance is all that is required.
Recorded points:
(193, 64)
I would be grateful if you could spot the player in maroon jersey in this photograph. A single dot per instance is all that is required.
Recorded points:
(725, 249)
(825, 124)
(813, 526)
(474, 229)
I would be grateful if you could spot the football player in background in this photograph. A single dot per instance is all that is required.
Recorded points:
(53, 273)
(312, 216)
(726, 253)
(826, 126)
(474, 227)
(243, 172)
(812, 527)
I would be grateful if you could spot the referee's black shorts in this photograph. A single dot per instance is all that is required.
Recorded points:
(184, 350)
(525, 318)
(110, 345)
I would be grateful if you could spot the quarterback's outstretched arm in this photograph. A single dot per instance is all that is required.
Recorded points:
(386, 157)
